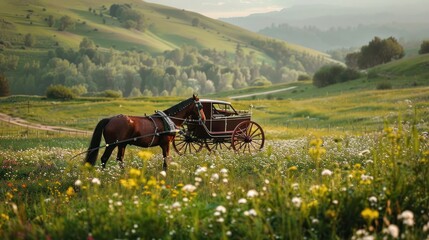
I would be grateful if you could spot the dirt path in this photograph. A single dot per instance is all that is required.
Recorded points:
(23, 123)
(262, 93)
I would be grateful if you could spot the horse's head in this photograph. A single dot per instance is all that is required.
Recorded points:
(197, 109)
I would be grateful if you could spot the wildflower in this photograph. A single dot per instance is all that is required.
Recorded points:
(221, 209)
(319, 190)
(252, 193)
(214, 177)
(221, 220)
(267, 181)
(224, 171)
(293, 168)
(228, 233)
(5, 217)
(135, 172)
(225, 180)
(163, 173)
(407, 217)
(372, 199)
(326, 172)
(200, 170)
(393, 230)
(426, 227)
(242, 201)
(189, 188)
(295, 186)
(364, 152)
(176, 205)
(369, 214)
(366, 179)
(70, 191)
(96, 181)
(296, 201)
(145, 155)
(251, 212)
(78, 183)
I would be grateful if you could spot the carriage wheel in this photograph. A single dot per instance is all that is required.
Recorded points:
(248, 137)
(217, 144)
(186, 143)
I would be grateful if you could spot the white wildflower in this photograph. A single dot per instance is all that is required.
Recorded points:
(96, 181)
(407, 217)
(296, 201)
(200, 170)
(364, 152)
(163, 173)
(242, 201)
(252, 193)
(372, 199)
(326, 172)
(214, 177)
(78, 183)
(393, 230)
(221, 209)
(189, 188)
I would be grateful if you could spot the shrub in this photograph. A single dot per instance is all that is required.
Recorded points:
(424, 47)
(384, 86)
(111, 94)
(59, 92)
(304, 77)
(4, 86)
(332, 74)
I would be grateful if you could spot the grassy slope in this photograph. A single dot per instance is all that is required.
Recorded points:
(169, 28)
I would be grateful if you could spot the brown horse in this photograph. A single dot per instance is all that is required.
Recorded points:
(149, 131)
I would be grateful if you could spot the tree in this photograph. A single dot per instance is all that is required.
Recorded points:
(51, 21)
(424, 47)
(29, 40)
(332, 74)
(4, 86)
(86, 43)
(195, 22)
(65, 22)
(380, 51)
(352, 60)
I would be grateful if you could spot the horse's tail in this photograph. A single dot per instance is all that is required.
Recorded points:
(91, 155)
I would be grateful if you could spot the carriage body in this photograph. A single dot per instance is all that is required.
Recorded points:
(224, 128)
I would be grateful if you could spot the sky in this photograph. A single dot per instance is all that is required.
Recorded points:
(238, 8)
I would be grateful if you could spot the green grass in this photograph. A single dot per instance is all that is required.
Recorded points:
(292, 190)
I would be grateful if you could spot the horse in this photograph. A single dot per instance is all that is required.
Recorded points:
(147, 131)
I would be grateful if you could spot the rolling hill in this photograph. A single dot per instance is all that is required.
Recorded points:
(57, 29)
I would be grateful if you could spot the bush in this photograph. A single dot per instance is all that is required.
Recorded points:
(303, 77)
(59, 92)
(332, 74)
(384, 86)
(111, 94)
(424, 47)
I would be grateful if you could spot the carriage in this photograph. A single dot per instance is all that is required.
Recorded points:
(224, 128)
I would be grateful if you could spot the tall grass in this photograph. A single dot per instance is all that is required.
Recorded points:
(368, 186)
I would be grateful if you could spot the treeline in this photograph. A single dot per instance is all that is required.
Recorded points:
(177, 72)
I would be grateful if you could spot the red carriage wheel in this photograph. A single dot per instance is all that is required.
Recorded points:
(186, 143)
(248, 137)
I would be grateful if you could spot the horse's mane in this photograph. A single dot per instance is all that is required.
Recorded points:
(178, 107)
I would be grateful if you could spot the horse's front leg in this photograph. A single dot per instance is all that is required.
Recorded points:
(120, 155)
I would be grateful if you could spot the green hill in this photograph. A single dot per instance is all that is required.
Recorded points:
(149, 33)
(412, 72)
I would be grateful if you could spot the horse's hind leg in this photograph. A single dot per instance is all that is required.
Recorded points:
(120, 156)
(106, 155)
(165, 154)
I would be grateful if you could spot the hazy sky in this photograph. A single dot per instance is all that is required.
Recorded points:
(236, 8)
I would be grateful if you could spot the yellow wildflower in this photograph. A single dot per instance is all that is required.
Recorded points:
(293, 168)
(145, 155)
(5, 216)
(70, 191)
(369, 214)
(319, 190)
(135, 172)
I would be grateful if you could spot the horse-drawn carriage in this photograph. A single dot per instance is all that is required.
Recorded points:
(224, 128)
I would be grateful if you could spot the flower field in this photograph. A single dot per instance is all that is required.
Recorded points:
(372, 186)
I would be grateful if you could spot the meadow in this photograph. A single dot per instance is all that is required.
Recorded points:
(328, 177)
